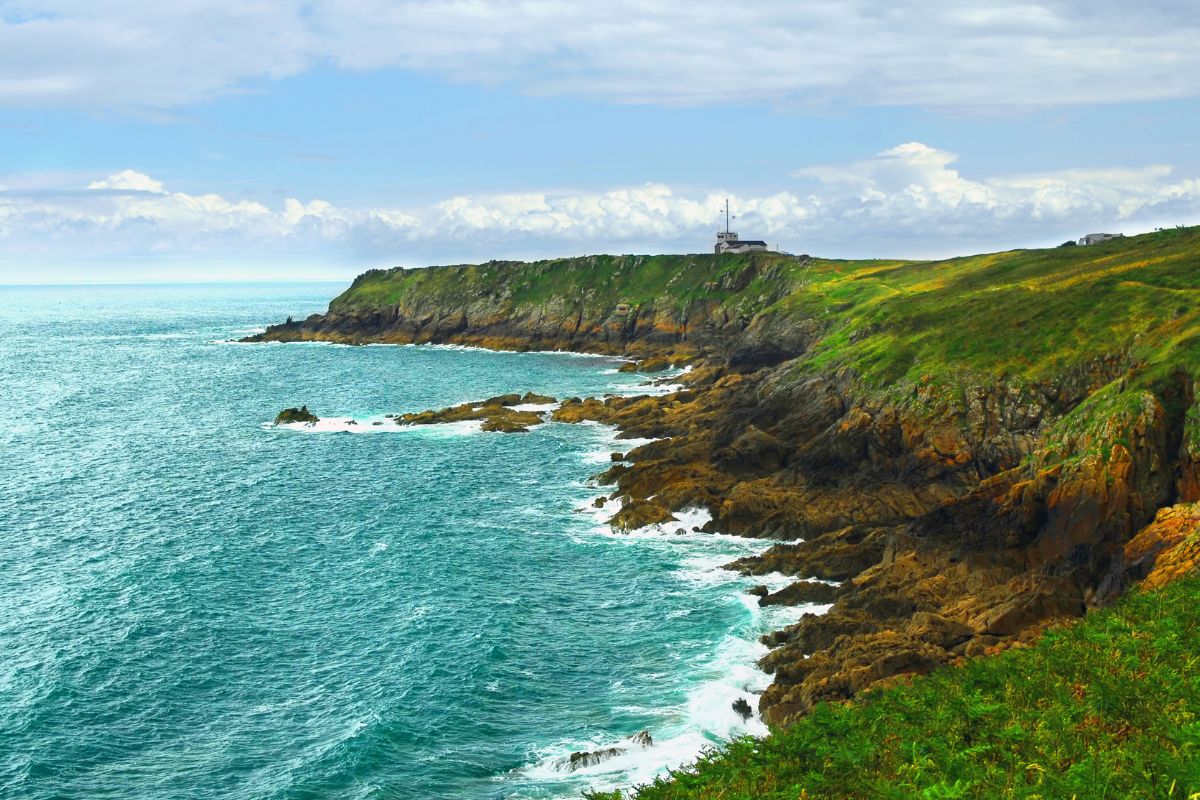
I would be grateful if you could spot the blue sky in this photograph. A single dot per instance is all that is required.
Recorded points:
(314, 140)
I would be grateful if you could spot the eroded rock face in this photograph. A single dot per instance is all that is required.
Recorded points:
(1166, 549)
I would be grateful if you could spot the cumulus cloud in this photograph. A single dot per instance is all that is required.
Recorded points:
(971, 53)
(906, 201)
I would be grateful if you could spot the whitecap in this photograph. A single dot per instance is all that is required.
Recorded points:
(378, 424)
(539, 407)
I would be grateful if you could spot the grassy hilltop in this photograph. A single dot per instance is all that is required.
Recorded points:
(1025, 313)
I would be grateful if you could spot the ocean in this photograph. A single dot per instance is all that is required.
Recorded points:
(196, 604)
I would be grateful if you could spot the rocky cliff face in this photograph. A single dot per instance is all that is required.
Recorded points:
(959, 513)
(704, 306)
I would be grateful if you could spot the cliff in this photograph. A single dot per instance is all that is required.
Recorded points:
(968, 446)
(607, 304)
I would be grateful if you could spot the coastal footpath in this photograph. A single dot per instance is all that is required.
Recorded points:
(975, 450)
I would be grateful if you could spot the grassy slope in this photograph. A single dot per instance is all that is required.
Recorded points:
(1024, 313)
(599, 282)
(1107, 708)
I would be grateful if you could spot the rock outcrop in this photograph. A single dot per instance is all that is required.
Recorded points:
(290, 415)
(589, 758)
(497, 413)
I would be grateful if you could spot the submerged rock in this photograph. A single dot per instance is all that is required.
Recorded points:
(511, 422)
(301, 414)
(588, 758)
(743, 708)
(496, 413)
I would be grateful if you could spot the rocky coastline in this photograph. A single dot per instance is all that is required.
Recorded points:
(943, 517)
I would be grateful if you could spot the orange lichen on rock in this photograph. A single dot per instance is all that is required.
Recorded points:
(1167, 548)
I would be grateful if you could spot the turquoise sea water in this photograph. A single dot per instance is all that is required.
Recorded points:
(194, 604)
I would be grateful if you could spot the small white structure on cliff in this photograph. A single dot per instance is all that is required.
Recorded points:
(1097, 238)
(728, 241)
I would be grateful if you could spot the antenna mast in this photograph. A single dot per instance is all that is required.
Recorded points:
(727, 215)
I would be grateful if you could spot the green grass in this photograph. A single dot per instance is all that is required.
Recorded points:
(596, 283)
(1106, 708)
(1025, 314)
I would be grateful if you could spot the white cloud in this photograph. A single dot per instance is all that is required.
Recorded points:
(972, 53)
(129, 180)
(906, 201)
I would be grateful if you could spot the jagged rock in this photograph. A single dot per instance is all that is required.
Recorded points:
(537, 399)
(504, 400)
(582, 759)
(503, 425)
(290, 415)
(640, 513)
(576, 410)
(800, 592)
(653, 365)
(758, 591)
(742, 709)
(589, 758)
(1166, 549)
(495, 413)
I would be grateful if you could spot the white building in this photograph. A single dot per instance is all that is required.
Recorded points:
(1096, 238)
(728, 241)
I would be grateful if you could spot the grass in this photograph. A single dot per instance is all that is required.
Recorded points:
(1025, 314)
(1106, 708)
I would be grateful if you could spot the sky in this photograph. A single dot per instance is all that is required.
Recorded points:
(300, 139)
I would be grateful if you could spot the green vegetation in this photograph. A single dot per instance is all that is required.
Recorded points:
(595, 282)
(1026, 314)
(1107, 708)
